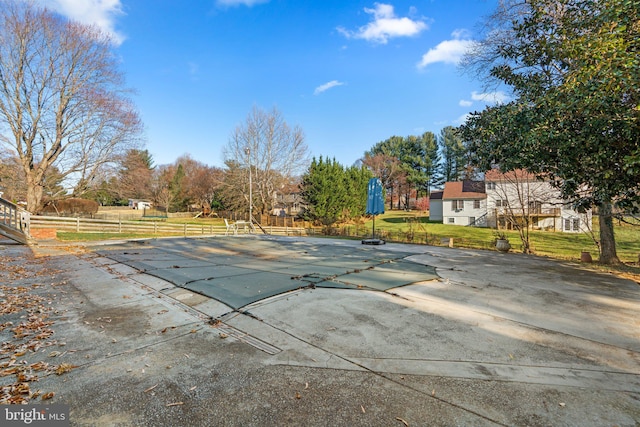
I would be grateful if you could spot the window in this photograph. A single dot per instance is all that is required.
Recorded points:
(451, 220)
(491, 185)
(502, 203)
(476, 204)
(457, 205)
(472, 220)
(572, 224)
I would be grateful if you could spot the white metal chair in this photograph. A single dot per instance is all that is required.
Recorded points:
(230, 227)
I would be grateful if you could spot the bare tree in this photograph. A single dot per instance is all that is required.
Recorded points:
(273, 151)
(202, 183)
(62, 101)
(520, 201)
(163, 191)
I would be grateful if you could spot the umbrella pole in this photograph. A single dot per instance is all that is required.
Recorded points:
(373, 233)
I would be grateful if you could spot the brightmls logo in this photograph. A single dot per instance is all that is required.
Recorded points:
(35, 415)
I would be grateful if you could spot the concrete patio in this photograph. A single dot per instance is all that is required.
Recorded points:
(254, 330)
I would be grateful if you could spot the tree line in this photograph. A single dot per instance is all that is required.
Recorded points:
(416, 164)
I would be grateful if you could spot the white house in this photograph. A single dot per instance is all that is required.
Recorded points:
(504, 200)
(139, 204)
(520, 196)
(460, 203)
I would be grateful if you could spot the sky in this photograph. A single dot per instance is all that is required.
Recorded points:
(349, 73)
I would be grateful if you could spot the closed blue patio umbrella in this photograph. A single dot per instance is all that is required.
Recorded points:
(375, 206)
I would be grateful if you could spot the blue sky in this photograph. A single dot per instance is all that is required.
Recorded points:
(349, 73)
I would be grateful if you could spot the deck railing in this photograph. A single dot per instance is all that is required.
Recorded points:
(15, 222)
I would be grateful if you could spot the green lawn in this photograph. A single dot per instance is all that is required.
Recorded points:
(402, 226)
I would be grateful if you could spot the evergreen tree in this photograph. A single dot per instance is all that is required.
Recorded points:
(419, 162)
(356, 182)
(333, 193)
(453, 154)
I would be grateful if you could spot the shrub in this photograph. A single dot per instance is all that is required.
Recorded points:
(422, 204)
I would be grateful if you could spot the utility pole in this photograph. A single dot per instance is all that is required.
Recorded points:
(248, 153)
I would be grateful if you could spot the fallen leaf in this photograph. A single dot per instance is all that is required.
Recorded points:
(306, 386)
(193, 388)
(402, 421)
(562, 404)
(223, 335)
(64, 367)
(298, 395)
(48, 396)
(39, 366)
(175, 404)
(433, 392)
(362, 407)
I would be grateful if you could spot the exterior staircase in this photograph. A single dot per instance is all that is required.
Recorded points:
(14, 222)
(479, 222)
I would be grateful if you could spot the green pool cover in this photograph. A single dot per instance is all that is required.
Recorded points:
(241, 271)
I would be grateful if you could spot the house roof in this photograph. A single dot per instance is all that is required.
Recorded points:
(466, 189)
(436, 195)
(495, 175)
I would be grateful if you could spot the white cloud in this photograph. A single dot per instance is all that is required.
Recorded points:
(448, 51)
(232, 3)
(385, 25)
(327, 86)
(101, 13)
(497, 97)
(463, 118)
(460, 33)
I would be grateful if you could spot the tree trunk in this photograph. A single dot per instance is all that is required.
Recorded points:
(608, 254)
(34, 196)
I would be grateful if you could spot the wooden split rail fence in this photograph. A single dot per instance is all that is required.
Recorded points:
(87, 225)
